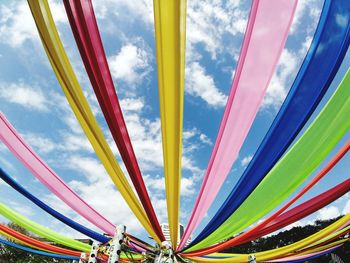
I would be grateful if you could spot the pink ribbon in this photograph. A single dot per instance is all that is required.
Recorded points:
(267, 30)
(10, 137)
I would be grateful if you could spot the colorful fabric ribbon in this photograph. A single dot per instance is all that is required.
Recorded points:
(170, 31)
(327, 50)
(265, 37)
(75, 96)
(38, 252)
(84, 26)
(36, 243)
(285, 250)
(41, 230)
(301, 160)
(11, 138)
(307, 257)
(287, 218)
(278, 220)
(69, 222)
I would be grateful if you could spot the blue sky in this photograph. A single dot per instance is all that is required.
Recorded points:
(32, 100)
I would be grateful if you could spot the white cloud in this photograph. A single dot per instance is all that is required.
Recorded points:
(58, 11)
(205, 139)
(132, 104)
(2, 147)
(189, 164)
(309, 8)
(24, 95)
(132, 10)
(90, 167)
(147, 141)
(96, 188)
(211, 25)
(146, 138)
(328, 213)
(5, 163)
(246, 160)
(199, 84)
(187, 186)
(40, 143)
(278, 88)
(131, 64)
(16, 24)
(188, 134)
(155, 183)
(209, 21)
(346, 209)
(71, 122)
(20, 208)
(75, 142)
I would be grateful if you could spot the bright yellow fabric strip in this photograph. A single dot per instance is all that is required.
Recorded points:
(75, 96)
(344, 230)
(283, 251)
(170, 29)
(324, 247)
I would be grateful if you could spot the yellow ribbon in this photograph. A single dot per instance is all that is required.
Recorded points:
(170, 30)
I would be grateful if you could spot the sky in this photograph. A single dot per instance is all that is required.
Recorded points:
(34, 103)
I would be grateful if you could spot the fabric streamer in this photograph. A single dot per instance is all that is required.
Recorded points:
(281, 221)
(69, 222)
(317, 246)
(325, 242)
(267, 30)
(85, 30)
(79, 104)
(33, 243)
(36, 243)
(16, 144)
(277, 221)
(293, 255)
(306, 209)
(141, 244)
(41, 230)
(327, 50)
(38, 252)
(306, 258)
(297, 164)
(170, 31)
(282, 251)
(13, 239)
